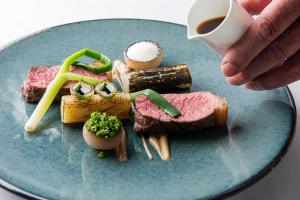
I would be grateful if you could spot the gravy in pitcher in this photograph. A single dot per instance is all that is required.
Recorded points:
(209, 25)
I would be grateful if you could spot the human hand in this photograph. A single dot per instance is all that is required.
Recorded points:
(268, 54)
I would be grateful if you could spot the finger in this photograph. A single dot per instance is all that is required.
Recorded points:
(274, 55)
(279, 76)
(273, 20)
(254, 6)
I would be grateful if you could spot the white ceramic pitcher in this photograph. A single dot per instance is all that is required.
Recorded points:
(236, 22)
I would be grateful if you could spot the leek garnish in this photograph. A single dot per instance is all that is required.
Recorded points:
(158, 100)
(106, 63)
(82, 91)
(106, 90)
(61, 78)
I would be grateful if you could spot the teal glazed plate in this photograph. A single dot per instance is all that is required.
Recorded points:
(56, 163)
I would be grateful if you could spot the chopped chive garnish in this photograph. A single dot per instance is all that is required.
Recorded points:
(101, 155)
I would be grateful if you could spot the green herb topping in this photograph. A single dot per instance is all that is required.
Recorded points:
(101, 154)
(103, 125)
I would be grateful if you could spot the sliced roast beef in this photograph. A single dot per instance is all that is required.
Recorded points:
(199, 110)
(39, 77)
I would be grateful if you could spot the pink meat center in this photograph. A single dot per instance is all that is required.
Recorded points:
(42, 76)
(193, 106)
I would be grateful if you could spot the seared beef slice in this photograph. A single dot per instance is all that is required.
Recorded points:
(39, 77)
(199, 110)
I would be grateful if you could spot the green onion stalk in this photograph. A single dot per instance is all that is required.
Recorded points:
(61, 78)
(106, 63)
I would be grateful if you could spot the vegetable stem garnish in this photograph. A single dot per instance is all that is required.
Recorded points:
(106, 90)
(103, 125)
(106, 63)
(82, 90)
(158, 100)
(53, 88)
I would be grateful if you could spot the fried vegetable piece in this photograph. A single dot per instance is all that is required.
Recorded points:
(74, 110)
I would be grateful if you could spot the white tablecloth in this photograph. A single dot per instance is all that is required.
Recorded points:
(18, 18)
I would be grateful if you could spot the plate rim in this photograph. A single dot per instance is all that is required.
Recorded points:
(227, 193)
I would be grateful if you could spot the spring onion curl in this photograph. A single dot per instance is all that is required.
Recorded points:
(106, 63)
(158, 100)
(55, 85)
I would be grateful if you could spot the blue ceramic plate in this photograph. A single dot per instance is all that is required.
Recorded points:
(56, 163)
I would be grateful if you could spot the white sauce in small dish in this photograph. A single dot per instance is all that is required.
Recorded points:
(143, 51)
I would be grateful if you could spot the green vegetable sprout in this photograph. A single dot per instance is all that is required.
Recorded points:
(103, 125)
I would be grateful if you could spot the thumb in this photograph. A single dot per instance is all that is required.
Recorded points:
(254, 6)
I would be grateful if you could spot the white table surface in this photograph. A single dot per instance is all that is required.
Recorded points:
(19, 18)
